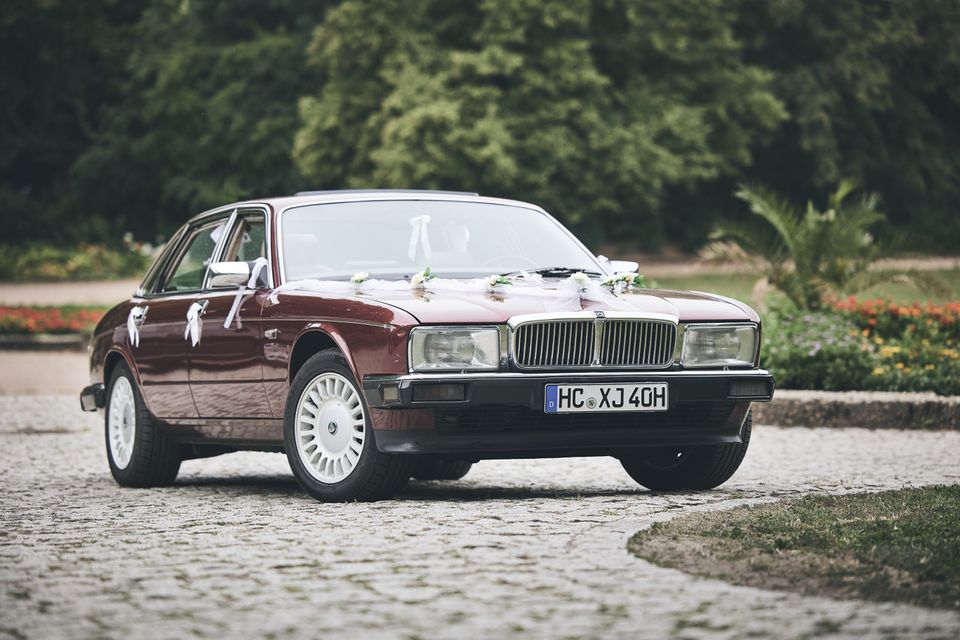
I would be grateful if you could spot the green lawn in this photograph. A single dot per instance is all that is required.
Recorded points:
(740, 286)
(893, 546)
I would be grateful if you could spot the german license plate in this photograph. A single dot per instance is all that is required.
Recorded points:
(623, 396)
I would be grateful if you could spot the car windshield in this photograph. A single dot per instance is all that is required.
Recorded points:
(397, 238)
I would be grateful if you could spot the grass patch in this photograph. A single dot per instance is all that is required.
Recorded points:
(740, 286)
(900, 546)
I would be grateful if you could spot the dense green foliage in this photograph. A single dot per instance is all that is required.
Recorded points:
(631, 120)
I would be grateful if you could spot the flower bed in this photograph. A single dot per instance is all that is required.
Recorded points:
(57, 320)
(866, 345)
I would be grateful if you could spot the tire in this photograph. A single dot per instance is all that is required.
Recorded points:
(139, 453)
(437, 469)
(693, 468)
(321, 450)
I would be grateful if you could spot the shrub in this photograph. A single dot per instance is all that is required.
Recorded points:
(865, 346)
(816, 351)
(85, 262)
(33, 320)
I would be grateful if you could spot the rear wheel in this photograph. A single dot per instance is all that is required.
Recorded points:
(328, 439)
(690, 468)
(139, 454)
(435, 469)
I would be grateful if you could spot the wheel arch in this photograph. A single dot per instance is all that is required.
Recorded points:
(110, 362)
(311, 341)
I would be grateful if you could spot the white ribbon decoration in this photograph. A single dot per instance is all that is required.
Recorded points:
(194, 324)
(133, 331)
(567, 296)
(259, 265)
(419, 232)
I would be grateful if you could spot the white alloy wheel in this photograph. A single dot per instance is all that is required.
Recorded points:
(122, 426)
(329, 428)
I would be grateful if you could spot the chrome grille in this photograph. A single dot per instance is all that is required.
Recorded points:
(576, 343)
(555, 343)
(637, 343)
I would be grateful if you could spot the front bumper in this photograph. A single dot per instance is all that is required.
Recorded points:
(501, 414)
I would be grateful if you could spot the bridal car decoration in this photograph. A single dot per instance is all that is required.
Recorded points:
(377, 336)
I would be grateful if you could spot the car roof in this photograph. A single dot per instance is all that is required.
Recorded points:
(360, 195)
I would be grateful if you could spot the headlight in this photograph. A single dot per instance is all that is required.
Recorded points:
(455, 348)
(719, 345)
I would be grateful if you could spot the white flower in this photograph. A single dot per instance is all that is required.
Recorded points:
(581, 279)
(419, 280)
(360, 277)
(495, 280)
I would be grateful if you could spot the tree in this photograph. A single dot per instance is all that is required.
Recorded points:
(208, 117)
(593, 108)
(806, 254)
(873, 92)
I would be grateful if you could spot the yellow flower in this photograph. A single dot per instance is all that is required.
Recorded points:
(926, 342)
(865, 332)
(879, 371)
(930, 367)
(878, 340)
(899, 365)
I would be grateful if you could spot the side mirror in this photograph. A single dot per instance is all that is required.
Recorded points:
(624, 266)
(229, 274)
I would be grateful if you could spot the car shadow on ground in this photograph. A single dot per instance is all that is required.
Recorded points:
(417, 490)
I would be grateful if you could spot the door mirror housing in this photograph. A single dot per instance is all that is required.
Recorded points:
(624, 266)
(229, 274)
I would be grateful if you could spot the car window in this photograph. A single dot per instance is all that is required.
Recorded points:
(248, 241)
(400, 237)
(188, 272)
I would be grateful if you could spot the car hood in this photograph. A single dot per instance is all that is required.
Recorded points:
(471, 307)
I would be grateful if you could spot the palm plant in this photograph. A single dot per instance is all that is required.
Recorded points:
(805, 254)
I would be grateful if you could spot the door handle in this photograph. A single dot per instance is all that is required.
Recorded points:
(203, 305)
(271, 334)
(140, 314)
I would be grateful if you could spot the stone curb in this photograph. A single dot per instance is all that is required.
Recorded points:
(44, 342)
(866, 409)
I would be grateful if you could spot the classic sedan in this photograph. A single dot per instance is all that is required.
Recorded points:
(375, 336)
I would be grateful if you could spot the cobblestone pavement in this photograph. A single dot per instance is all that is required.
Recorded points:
(516, 549)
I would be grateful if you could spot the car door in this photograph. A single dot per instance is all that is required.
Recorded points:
(161, 355)
(226, 371)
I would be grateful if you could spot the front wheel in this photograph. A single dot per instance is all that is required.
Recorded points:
(328, 439)
(690, 468)
(140, 455)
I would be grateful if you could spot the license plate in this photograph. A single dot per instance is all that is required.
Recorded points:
(625, 396)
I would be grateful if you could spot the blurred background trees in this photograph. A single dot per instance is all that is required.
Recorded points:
(629, 120)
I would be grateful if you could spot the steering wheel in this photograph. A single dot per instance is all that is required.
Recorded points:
(491, 261)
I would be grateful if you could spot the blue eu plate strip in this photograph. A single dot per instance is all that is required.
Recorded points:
(550, 401)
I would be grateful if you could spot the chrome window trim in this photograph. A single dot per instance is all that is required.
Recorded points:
(599, 318)
(735, 367)
(200, 220)
(425, 197)
(238, 213)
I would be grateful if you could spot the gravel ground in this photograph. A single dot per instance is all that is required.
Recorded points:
(516, 549)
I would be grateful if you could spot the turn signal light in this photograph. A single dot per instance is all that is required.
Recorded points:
(749, 389)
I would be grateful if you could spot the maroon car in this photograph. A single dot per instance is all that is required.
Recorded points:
(377, 335)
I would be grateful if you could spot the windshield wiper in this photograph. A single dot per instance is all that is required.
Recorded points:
(553, 271)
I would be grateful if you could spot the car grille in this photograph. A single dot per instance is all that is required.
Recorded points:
(572, 343)
(692, 415)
